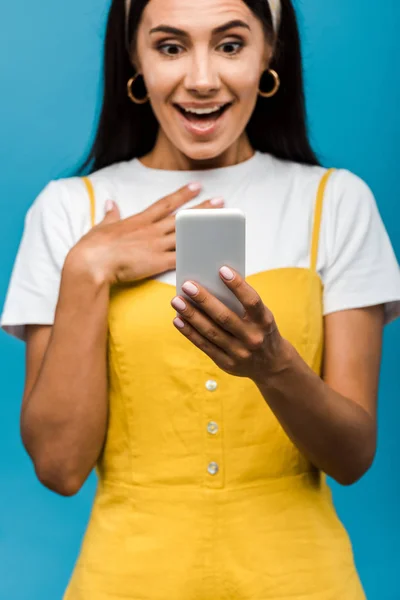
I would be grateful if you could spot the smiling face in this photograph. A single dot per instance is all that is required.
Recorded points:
(190, 57)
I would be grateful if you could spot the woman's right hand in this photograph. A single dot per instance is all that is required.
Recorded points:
(141, 246)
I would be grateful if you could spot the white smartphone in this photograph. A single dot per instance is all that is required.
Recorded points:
(206, 240)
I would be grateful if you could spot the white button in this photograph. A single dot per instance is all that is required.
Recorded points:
(213, 468)
(211, 385)
(212, 427)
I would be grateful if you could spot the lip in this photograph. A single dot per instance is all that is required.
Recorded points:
(202, 104)
(201, 131)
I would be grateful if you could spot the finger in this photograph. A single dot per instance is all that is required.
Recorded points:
(220, 357)
(168, 261)
(218, 202)
(219, 312)
(112, 213)
(246, 295)
(167, 205)
(167, 243)
(208, 328)
(167, 225)
(160, 263)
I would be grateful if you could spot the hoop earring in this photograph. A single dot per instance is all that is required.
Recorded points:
(276, 87)
(132, 97)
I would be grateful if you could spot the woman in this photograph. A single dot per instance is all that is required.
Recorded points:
(212, 436)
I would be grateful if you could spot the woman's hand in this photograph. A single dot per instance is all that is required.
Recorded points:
(143, 245)
(246, 347)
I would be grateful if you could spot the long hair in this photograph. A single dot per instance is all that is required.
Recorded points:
(126, 130)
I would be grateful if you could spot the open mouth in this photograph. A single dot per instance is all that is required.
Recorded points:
(203, 118)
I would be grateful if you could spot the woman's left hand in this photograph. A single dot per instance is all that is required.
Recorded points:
(246, 347)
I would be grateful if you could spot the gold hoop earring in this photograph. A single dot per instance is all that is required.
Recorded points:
(276, 87)
(130, 93)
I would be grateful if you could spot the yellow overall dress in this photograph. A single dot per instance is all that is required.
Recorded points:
(201, 495)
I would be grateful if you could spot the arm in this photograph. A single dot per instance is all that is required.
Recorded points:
(65, 406)
(64, 411)
(333, 420)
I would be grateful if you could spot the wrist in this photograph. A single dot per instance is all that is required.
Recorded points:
(281, 369)
(81, 265)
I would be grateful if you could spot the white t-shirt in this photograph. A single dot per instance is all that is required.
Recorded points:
(356, 261)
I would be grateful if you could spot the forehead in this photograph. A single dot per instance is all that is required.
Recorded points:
(196, 14)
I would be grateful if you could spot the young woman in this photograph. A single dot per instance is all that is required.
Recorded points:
(212, 435)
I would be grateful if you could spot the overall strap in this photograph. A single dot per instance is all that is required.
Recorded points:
(317, 219)
(90, 191)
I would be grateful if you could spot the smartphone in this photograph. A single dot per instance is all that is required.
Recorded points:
(206, 240)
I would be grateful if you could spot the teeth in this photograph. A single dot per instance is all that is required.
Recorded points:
(202, 111)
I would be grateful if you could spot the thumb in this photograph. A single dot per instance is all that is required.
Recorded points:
(112, 213)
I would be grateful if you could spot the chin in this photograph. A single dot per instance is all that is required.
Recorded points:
(204, 151)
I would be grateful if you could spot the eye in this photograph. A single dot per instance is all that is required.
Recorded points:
(232, 44)
(162, 47)
(174, 48)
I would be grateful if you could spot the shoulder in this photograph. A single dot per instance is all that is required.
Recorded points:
(345, 191)
(61, 205)
(348, 190)
(350, 209)
(112, 174)
(116, 182)
(70, 188)
(341, 180)
(67, 198)
(295, 182)
(287, 170)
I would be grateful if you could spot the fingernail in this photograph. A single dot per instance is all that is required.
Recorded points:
(190, 288)
(217, 201)
(109, 205)
(195, 186)
(179, 323)
(178, 304)
(226, 273)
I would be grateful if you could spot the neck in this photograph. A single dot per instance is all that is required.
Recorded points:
(165, 156)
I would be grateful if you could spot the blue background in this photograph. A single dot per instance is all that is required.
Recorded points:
(50, 62)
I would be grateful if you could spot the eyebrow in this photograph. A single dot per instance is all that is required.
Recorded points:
(182, 33)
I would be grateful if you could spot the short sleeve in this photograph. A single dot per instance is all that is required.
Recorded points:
(50, 231)
(360, 268)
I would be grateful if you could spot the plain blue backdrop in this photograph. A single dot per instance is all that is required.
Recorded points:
(50, 66)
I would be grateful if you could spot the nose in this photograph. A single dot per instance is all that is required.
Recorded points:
(202, 76)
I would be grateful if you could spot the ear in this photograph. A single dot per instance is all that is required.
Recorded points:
(134, 63)
(267, 57)
(133, 59)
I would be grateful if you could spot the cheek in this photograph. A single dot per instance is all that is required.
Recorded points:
(243, 80)
(161, 81)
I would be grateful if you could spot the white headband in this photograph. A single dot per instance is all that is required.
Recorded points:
(274, 5)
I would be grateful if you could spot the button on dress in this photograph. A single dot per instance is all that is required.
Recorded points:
(201, 494)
